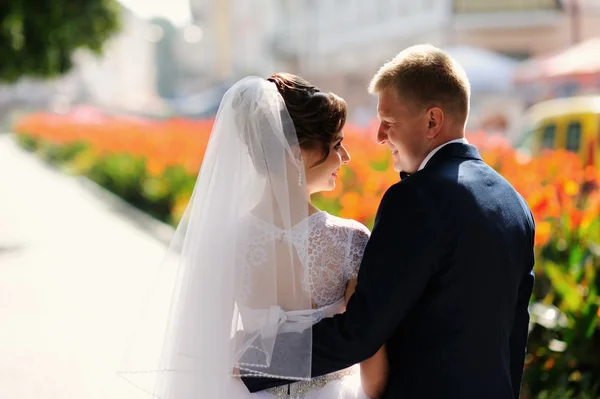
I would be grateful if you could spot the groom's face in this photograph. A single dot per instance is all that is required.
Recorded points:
(403, 128)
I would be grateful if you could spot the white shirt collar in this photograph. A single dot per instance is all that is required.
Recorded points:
(436, 149)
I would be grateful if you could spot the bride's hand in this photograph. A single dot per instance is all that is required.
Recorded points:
(373, 374)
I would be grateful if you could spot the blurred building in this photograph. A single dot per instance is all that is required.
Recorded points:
(227, 39)
(524, 28)
(123, 77)
(195, 70)
(336, 44)
(236, 39)
(255, 27)
(340, 44)
(199, 57)
(166, 36)
(520, 29)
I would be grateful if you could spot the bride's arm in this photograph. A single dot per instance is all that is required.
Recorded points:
(374, 370)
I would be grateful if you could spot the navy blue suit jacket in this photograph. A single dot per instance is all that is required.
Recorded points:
(445, 282)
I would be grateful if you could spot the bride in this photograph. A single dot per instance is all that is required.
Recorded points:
(254, 260)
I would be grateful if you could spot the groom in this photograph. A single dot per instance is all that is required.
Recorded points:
(447, 275)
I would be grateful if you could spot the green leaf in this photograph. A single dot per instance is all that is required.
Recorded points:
(576, 254)
(565, 285)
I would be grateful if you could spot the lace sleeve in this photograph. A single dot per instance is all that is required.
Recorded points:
(356, 248)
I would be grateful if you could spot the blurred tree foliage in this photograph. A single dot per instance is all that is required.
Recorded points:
(38, 38)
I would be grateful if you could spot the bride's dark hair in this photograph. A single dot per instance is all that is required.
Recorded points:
(317, 116)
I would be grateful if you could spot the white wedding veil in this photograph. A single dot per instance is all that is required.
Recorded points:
(234, 271)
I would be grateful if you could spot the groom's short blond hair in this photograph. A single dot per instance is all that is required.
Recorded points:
(426, 76)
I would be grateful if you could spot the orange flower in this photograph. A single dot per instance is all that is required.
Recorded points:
(571, 188)
(549, 363)
(575, 218)
(543, 231)
(590, 173)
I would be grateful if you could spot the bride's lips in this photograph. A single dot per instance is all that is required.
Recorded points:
(335, 174)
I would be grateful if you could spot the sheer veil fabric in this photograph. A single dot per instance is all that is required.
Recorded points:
(227, 290)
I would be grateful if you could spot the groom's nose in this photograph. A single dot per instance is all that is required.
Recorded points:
(381, 134)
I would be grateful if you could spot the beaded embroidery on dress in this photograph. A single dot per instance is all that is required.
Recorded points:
(335, 249)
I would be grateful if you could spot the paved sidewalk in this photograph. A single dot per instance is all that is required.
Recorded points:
(74, 267)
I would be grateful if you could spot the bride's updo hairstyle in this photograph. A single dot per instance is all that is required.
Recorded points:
(317, 116)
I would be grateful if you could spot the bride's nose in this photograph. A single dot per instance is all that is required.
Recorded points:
(345, 155)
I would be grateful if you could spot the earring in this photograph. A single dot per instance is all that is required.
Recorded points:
(299, 178)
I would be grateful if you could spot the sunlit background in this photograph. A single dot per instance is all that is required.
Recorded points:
(106, 108)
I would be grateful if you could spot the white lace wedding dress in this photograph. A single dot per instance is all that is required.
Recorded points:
(336, 246)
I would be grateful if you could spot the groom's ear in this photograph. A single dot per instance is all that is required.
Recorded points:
(435, 120)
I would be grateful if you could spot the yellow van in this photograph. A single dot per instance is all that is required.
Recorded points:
(571, 123)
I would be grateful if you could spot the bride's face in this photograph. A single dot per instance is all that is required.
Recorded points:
(322, 177)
